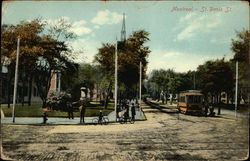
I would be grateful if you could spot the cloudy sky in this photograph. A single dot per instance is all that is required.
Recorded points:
(182, 34)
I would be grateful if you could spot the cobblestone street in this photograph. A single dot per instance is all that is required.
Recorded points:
(165, 135)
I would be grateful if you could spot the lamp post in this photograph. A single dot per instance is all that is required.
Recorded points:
(236, 88)
(116, 66)
(194, 80)
(16, 79)
(140, 85)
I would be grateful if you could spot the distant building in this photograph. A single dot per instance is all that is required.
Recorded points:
(55, 82)
(24, 89)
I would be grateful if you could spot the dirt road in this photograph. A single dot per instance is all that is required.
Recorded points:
(165, 135)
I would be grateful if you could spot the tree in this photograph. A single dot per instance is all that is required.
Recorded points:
(164, 82)
(40, 53)
(240, 47)
(216, 77)
(28, 31)
(105, 58)
(129, 56)
(185, 81)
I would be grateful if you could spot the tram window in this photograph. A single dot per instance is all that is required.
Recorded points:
(182, 99)
(190, 99)
(194, 99)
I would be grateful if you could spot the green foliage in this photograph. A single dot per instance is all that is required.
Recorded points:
(163, 82)
(240, 47)
(216, 76)
(87, 75)
(36, 111)
(212, 77)
(43, 48)
(130, 55)
(24, 111)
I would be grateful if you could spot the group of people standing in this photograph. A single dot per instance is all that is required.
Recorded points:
(123, 109)
(82, 109)
(125, 106)
(208, 106)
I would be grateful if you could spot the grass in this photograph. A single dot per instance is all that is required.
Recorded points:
(37, 111)
(244, 109)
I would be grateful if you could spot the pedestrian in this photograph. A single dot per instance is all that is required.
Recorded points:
(206, 108)
(70, 110)
(100, 117)
(45, 117)
(211, 110)
(82, 112)
(133, 111)
(126, 114)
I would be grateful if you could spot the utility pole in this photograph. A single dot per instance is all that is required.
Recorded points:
(16, 79)
(194, 80)
(140, 84)
(116, 75)
(236, 88)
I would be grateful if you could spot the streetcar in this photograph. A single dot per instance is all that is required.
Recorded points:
(190, 102)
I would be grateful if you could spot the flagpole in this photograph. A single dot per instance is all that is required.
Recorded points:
(16, 79)
(116, 65)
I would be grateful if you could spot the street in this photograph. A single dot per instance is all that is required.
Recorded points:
(165, 135)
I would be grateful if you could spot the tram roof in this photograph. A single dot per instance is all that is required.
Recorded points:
(191, 91)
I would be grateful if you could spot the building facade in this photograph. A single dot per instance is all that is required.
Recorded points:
(26, 90)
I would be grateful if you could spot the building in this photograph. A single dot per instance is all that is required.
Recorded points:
(55, 82)
(26, 89)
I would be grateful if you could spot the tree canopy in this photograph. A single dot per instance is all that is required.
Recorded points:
(240, 47)
(43, 48)
(130, 53)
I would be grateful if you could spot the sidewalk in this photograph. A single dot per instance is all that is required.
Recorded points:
(226, 113)
(230, 113)
(63, 120)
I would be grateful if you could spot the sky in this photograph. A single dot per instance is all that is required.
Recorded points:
(183, 35)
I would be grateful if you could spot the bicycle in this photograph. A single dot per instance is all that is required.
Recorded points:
(124, 120)
(103, 121)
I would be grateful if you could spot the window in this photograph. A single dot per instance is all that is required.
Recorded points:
(194, 99)
(182, 99)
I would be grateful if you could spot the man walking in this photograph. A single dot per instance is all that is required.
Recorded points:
(133, 111)
(100, 117)
(82, 112)
(70, 110)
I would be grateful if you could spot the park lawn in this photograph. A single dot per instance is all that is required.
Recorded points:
(244, 109)
(37, 111)
(24, 111)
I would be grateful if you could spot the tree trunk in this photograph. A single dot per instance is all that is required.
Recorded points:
(227, 97)
(43, 93)
(30, 90)
(22, 91)
(219, 106)
(9, 92)
(44, 103)
(239, 99)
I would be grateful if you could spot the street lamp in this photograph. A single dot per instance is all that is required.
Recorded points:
(116, 75)
(236, 88)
